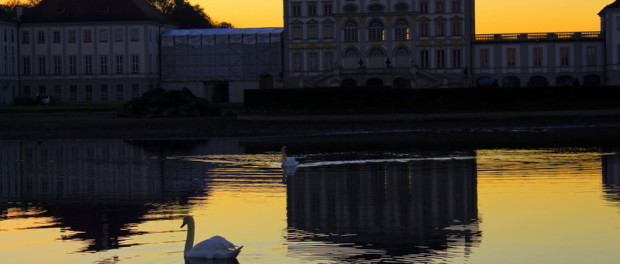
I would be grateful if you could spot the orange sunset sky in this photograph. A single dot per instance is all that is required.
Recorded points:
(492, 16)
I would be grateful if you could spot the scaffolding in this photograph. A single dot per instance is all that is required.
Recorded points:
(221, 54)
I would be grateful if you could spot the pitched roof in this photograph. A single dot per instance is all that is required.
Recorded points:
(50, 11)
(615, 4)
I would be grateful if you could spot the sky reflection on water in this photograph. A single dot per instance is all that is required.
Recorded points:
(113, 201)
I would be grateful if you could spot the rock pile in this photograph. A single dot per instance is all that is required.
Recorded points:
(161, 103)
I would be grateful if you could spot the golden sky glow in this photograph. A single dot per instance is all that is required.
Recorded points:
(492, 16)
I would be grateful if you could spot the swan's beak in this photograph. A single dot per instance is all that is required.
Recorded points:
(183, 225)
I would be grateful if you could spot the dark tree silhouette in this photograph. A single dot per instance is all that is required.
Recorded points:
(187, 15)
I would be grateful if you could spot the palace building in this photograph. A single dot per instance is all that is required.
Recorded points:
(403, 44)
(432, 44)
(111, 51)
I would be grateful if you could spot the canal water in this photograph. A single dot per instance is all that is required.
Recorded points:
(122, 201)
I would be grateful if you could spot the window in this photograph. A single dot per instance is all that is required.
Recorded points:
(88, 90)
(134, 35)
(135, 90)
(485, 62)
(456, 6)
(424, 7)
(26, 65)
(440, 28)
(457, 58)
(26, 37)
(297, 61)
(328, 60)
(297, 30)
(564, 56)
(118, 35)
(27, 91)
(350, 31)
(424, 59)
(73, 92)
(56, 37)
(311, 9)
(103, 64)
(120, 92)
(40, 37)
(103, 92)
(401, 30)
(58, 92)
(313, 29)
(328, 29)
(41, 62)
(327, 8)
(440, 7)
(57, 60)
(88, 36)
(119, 64)
(441, 59)
(296, 9)
(72, 65)
(313, 60)
(511, 57)
(457, 28)
(424, 29)
(538, 57)
(103, 35)
(591, 56)
(135, 63)
(376, 31)
(88, 64)
(71, 36)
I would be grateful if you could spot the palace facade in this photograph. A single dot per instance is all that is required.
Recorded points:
(432, 44)
(111, 51)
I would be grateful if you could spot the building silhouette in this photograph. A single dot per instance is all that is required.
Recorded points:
(399, 209)
(111, 51)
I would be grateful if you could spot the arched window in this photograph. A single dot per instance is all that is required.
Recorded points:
(351, 53)
(424, 27)
(376, 52)
(457, 26)
(401, 51)
(312, 29)
(297, 30)
(401, 30)
(440, 26)
(328, 29)
(350, 31)
(376, 31)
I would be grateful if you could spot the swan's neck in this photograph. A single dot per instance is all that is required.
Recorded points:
(189, 241)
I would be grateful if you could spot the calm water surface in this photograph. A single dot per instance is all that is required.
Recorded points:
(115, 201)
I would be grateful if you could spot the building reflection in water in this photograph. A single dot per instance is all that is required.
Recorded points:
(400, 209)
(611, 175)
(96, 190)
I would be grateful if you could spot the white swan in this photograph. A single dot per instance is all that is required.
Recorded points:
(289, 164)
(216, 247)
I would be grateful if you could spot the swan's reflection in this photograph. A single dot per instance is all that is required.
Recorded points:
(379, 209)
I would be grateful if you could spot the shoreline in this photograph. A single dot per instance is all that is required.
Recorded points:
(495, 129)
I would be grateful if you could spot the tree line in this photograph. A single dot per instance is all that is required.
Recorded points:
(182, 12)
